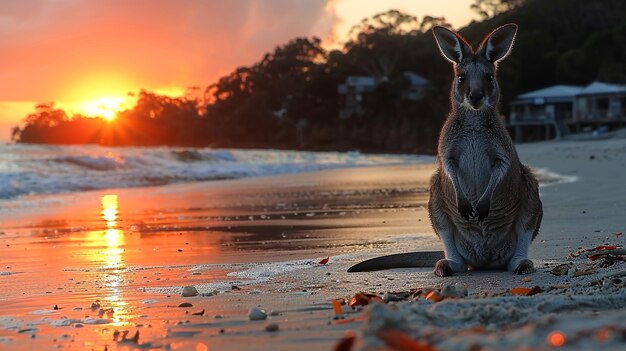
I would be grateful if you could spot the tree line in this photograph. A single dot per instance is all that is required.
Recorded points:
(289, 99)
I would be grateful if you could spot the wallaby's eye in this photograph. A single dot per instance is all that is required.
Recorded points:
(460, 77)
(490, 78)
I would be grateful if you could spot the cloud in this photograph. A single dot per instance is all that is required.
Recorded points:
(63, 50)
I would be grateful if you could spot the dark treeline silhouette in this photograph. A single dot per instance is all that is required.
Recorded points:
(290, 98)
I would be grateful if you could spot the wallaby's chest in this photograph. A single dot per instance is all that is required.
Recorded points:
(475, 158)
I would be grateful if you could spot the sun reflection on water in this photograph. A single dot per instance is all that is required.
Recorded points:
(113, 258)
(109, 210)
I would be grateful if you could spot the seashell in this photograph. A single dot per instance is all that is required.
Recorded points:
(256, 314)
(189, 291)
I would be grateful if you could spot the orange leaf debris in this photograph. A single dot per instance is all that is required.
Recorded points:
(362, 299)
(337, 307)
(400, 341)
(556, 339)
(519, 291)
(434, 296)
(346, 343)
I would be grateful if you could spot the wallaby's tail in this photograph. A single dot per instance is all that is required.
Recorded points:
(419, 259)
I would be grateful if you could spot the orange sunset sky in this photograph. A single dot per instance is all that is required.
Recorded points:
(86, 55)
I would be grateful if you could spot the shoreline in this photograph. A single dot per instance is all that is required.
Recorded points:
(259, 241)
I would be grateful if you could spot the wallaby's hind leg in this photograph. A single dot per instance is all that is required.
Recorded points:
(445, 229)
(527, 225)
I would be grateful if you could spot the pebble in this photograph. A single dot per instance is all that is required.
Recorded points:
(189, 291)
(256, 314)
(274, 313)
(561, 269)
(389, 297)
(272, 327)
(456, 290)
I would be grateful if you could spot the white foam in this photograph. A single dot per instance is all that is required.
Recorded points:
(260, 273)
(547, 177)
(43, 312)
(248, 274)
(37, 169)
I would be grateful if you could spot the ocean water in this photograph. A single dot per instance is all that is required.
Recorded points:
(47, 169)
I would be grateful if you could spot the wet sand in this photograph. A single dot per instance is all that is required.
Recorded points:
(258, 242)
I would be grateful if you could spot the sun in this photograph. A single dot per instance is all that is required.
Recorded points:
(104, 107)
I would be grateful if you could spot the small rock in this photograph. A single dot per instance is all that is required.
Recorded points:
(256, 314)
(560, 269)
(401, 296)
(189, 291)
(272, 327)
(461, 290)
(456, 290)
(274, 313)
(526, 280)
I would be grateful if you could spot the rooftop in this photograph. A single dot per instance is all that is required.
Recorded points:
(553, 91)
(563, 92)
(602, 88)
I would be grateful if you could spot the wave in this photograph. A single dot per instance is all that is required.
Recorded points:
(94, 163)
(46, 169)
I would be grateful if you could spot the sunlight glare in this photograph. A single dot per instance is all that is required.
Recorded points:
(104, 107)
(109, 210)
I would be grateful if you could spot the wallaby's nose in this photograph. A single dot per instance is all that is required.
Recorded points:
(476, 98)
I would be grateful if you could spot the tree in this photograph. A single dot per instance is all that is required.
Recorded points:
(378, 42)
(491, 8)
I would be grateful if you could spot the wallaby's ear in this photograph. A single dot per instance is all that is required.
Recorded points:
(498, 44)
(453, 47)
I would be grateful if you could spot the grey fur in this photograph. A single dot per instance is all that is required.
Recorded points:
(484, 203)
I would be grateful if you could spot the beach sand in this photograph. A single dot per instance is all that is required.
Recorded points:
(78, 269)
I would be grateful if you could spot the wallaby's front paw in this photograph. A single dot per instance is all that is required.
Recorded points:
(465, 208)
(525, 266)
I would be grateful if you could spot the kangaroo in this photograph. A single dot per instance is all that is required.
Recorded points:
(484, 203)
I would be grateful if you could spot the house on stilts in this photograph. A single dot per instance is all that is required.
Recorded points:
(553, 112)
